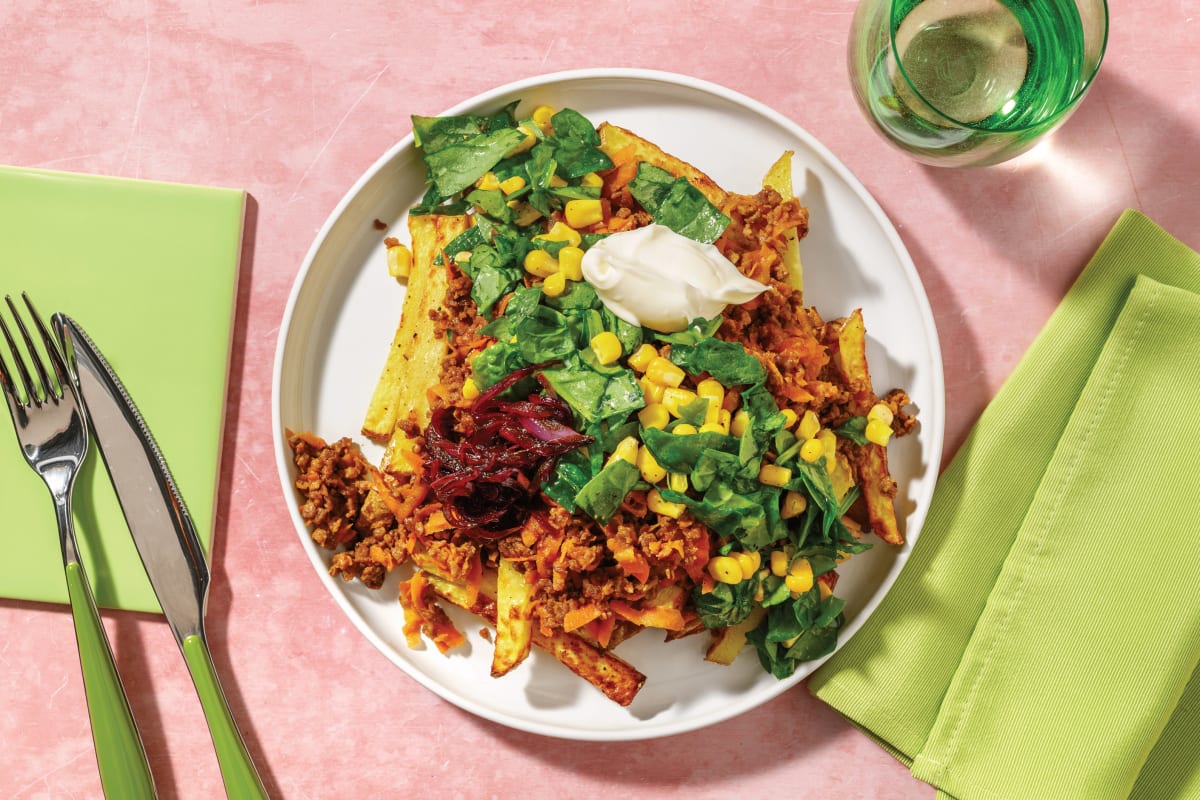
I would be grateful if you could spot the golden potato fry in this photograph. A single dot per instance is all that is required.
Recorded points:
(625, 147)
(870, 460)
(779, 178)
(417, 347)
(616, 678)
(514, 618)
(730, 641)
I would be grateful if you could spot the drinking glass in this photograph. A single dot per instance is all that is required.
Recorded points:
(973, 82)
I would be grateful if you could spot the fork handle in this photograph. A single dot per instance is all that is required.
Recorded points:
(124, 771)
(237, 769)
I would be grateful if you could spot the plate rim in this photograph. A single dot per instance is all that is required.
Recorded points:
(932, 429)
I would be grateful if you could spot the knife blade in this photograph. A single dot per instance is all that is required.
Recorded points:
(164, 535)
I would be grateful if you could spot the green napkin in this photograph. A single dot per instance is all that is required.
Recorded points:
(1043, 639)
(150, 270)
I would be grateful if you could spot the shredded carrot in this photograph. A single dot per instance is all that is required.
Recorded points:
(632, 562)
(578, 617)
(666, 617)
(601, 629)
(400, 510)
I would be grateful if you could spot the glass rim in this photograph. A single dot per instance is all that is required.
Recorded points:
(1075, 98)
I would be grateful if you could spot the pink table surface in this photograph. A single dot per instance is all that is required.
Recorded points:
(292, 101)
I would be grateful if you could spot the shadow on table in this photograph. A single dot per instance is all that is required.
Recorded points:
(1121, 148)
(787, 730)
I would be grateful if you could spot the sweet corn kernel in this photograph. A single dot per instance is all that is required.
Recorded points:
(774, 475)
(557, 181)
(462, 257)
(789, 418)
(591, 180)
(712, 389)
(489, 181)
(626, 450)
(606, 346)
(878, 432)
(654, 415)
(676, 399)
(811, 450)
(470, 389)
(794, 504)
(514, 184)
(561, 232)
(725, 569)
(540, 263)
(655, 502)
(713, 427)
(881, 412)
(529, 141)
(779, 563)
(653, 392)
(570, 262)
(554, 285)
(684, 429)
(649, 467)
(541, 117)
(809, 425)
(749, 562)
(800, 576)
(583, 212)
(677, 482)
(661, 370)
(825, 590)
(641, 358)
(738, 423)
(724, 418)
(399, 261)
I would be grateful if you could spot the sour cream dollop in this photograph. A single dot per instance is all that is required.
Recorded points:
(655, 277)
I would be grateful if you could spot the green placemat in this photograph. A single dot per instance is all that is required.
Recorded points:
(150, 270)
(1043, 639)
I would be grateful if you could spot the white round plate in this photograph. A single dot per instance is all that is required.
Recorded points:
(344, 308)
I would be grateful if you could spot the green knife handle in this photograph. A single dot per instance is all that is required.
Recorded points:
(237, 770)
(124, 771)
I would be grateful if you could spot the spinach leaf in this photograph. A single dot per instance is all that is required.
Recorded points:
(457, 166)
(571, 474)
(576, 145)
(698, 329)
(543, 335)
(622, 396)
(742, 517)
(728, 362)
(592, 396)
(682, 453)
(601, 496)
(854, 429)
(781, 660)
(496, 362)
(435, 133)
(490, 284)
(727, 604)
(493, 202)
(677, 204)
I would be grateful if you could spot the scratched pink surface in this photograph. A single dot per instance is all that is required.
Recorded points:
(292, 101)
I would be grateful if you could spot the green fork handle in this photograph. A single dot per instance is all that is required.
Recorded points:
(124, 771)
(237, 770)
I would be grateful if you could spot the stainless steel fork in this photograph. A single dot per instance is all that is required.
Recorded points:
(52, 430)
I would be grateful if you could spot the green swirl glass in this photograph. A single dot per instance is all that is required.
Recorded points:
(973, 82)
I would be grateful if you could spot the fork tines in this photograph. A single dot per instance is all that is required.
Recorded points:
(50, 390)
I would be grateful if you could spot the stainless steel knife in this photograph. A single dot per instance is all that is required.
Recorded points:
(165, 537)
